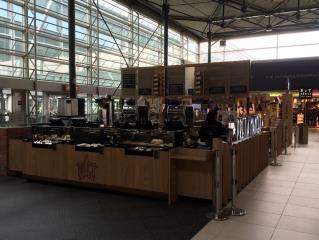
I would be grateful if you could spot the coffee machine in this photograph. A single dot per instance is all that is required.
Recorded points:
(178, 117)
(106, 112)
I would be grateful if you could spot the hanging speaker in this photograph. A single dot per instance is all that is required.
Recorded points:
(222, 43)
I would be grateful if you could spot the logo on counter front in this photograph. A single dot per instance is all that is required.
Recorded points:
(86, 170)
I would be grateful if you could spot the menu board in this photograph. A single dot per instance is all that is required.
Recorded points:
(216, 90)
(175, 89)
(238, 89)
(145, 91)
(128, 80)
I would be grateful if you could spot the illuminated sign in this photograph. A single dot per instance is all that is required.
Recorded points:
(305, 93)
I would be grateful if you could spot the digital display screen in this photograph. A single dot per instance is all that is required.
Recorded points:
(273, 75)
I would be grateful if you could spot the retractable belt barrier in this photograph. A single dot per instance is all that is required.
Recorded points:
(232, 210)
(218, 214)
(274, 147)
(295, 135)
(285, 137)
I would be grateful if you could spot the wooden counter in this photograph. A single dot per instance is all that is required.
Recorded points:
(194, 172)
(7, 133)
(113, 168)
(177, 172)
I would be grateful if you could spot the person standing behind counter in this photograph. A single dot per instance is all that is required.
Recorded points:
(212, 129)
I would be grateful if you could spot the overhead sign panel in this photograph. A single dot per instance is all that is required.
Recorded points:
(273, 75)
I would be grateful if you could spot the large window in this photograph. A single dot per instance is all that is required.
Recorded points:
(277, 46)
(34, 41)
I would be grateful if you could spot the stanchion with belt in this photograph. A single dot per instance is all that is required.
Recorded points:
(232, 210)
(285, 137)
(275, 147)
(295, 136)
(218, 214)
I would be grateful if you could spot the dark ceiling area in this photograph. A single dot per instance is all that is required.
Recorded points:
(234, 18)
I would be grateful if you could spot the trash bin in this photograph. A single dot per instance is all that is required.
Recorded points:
(303, 133)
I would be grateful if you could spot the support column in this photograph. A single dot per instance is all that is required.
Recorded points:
(26, 39)
(35, 65)
(165, 23)
(131, 21)
(2, 107)
(209, 36)
(138, 39)
(89, 104)
(72, 67)
(20, 106)
(90, 49)
(45, 106)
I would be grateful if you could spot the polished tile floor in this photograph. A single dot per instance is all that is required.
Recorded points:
(282, 203)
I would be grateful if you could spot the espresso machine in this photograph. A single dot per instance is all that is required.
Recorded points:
(133, 116)
(106, 111)
(179, 115)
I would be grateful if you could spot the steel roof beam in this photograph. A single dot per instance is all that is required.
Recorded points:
(242, 17)
(154, 13)
(278, 29)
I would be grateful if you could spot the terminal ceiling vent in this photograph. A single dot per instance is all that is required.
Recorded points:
(237, 18)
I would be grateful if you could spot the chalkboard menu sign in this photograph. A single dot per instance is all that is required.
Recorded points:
(216, 90)
(305, 93)
(144, 92)
(238, 89)
(175, 89)
(128, 80)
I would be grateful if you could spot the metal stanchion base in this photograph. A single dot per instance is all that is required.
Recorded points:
(275, 164)
(235, 211)
(221, 216)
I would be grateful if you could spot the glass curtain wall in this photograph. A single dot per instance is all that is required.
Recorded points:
(276, 46)
(34, 41)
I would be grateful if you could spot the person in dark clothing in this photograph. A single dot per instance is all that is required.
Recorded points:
(211, 129)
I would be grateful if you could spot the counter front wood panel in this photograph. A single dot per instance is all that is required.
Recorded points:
(6, 133)
(195, 179)
(17, 155)
(49, 163)
(194, 172)
(139, 172)
(112, 168)
(87, 167)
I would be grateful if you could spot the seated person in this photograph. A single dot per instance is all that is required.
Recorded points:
(211, 129)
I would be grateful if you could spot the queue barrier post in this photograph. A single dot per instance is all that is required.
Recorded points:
(275, 148)
(295, 135)
(232, 210)
(218, 214)
(285, 138)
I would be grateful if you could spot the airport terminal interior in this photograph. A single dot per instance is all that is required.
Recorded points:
(159, 119)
